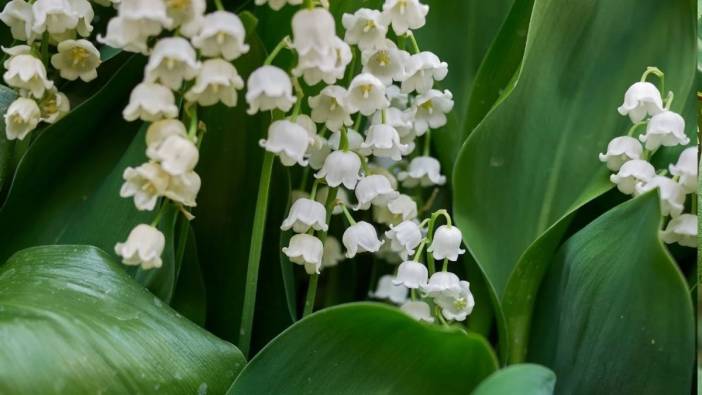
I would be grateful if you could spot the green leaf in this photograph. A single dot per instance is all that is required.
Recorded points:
(367, 348)
(614, 312)
(73, 322)
(523, 379)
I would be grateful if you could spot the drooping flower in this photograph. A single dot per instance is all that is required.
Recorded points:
(403, 208)
(641, 100)
(387, 290)
(183, 188)
(671, 193)
(159, 131)
(383, 141)
(173, 60)
(367, 94)
(328, 69)
(289, 141)
(54, 105)
(76, 59)
(329, 107)
(681, 230)
(305, 250)
(332, 252)
(621, 150)
(385, 62)
(269, 88)
(341, 167)
(355, 140)
(360, 237)
(216, 81)
(143, 247)
(374, 189)
(632, 173)
(431, 109)
(404, 238)
(412, 275)
(186, 14)
(418, 310)
(365, 28)
(341, 196)
(665, 129)
(423, 171)
(422, 70)
(222, 34)
(278, 4)
(442, 283)
(456, 306)
(145, 183)
(446, 243)
(177, 155)
(146, 15)
(18, 15)
(398, 119)
(305, 214)
(686, 169)
(22, 116)
(26, 72)
(84, 11)
(405, 14)
(54, 16)
(150, 102)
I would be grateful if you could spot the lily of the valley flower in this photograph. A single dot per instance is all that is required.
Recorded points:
(54, 16)
(385, 62)
(269, 88)
(21, 117)
(129, 35)
(360, 237)
(150, 102)
(159, 131)
(53, 105)
(671, 193)
(403, 208)
(143, 247)
(387, 290)
(76, 59)
(665, 129)
(446, 243)
(418, 310)
(18, 15)
(366, 28)
(177, 155)
(341, 167)
(332, 252)
(26, 72)
(305, 250)
(313, 33)
(398, 119)
(686, 169)
(374, 189)
(289, 141)
(146, 184)
(422, 70)
(278, 4)
(405, 14)
(222, 34)
(442, 283)
(216, 81)
(329, 68)
(183, 189)
(329, 107)
(383, 141)
(681, 230)
(305, 214)
(431, 109)
(456, 306)
(404, 238)
(621, 150)
(355, 140)
(367, 94)
(173, 60)
(186, 15)
(641, 100)
(632, 173)
(412, 275)
(424, 171)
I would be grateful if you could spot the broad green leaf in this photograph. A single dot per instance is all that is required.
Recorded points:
(189, 297)
(72, 322)
(522, 379)
(367, 348)
(614, 314)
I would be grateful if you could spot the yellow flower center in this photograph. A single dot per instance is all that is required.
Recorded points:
(366, 90)
(17, 119)
(403, 5)
(460, 303)
(332, 105)
(383, 58)
(80, 56)
(178, 4)
(428, 106)
(370, 25)
(49, 105)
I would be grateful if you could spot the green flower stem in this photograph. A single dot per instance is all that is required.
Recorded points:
(192, 129)
(300, 93)
(445, 266)
(313, 193)
(420, 250)
(309, 4)
(259, 224)
(430, 236)
(281, 44)
(219, 5)
(657, 72)
(364, 164)
(413, 40)
(427, 143)
(159, 214)
(635, 127)
(45, 49)
(344, 140)
(357, 123)
(347, 214)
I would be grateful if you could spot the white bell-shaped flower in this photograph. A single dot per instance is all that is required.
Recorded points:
(380, 169)
(143, 247)
(278, 4)
(26, 72)
(328, 68)
(431, 109)
(53, 16)
(442, 284)
(621, 150)
(386, 254)
(404, 238)
(317, 152)
(360, 237)
(150, 102)
(422, 70)
(384, 141)
(631, 173)
(355, 140)
(187, 15)
(159, 131)
(423, 171)
(305, 250)
(403, 208)
(341, 167)
(367, 94)
(671, 193)
(665, 129)
(149, 15)
(145, 183)
(177, 155)
(22, 116)
(183, 189)
(332, 252)
(418, 310)
(446, 243)
(405, 14)
(54, 105)
(128, 35)
(397, 98)
(76, 59)
(686, 169)
(389, 291)
(84, 11)
(18, 15)
(329, 107)
(222, 34)
(681, 230)
(412, 275)
(172, 61)
(289, 141)
(456, 306)
(341, 196)
(366, 28)
(217, 81)
(269, 88)
(313, 32)
(641, 100)
(385, 62)
(374, 189)
(305, 214)
(398, 119)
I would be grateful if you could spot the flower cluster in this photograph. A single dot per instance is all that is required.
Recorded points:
(376, 101)
(53, 35)
(629, 157)
(190, 62)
